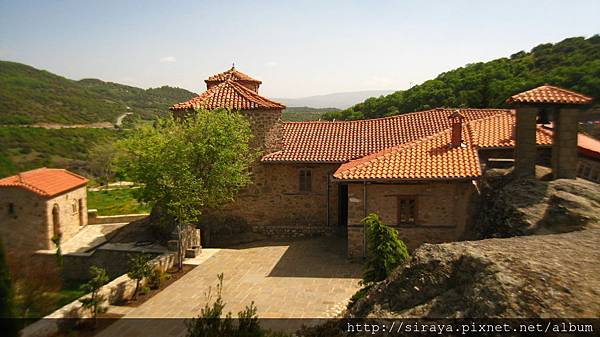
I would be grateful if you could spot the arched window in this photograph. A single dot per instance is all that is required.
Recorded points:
(56, 220)
(81, 212)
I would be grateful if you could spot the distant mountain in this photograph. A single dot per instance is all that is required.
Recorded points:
(573, 63)
(340, 100)
(29, 95)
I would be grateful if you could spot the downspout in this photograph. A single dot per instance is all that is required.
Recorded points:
(365, 210)
(328, 181)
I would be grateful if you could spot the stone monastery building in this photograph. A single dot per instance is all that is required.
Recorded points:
(418, 171)
(37, 205)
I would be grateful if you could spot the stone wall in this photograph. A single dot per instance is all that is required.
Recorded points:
(267, 129)
(442, 211)
(525, 154)
(25, 229)
(564, 144)
(72, 213)
(95, 219)
(274, 199)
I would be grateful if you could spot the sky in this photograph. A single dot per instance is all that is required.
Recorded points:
(297, 48)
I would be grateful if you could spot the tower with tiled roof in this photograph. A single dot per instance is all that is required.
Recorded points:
(564, 106)
(234, 90)
(233, 75)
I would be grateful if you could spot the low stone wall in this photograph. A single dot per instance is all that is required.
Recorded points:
(292, 231)
(112, 257)
(115, 291)
(95, 219)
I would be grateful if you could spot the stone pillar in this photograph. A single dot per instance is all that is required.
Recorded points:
(525, 148)
(564, 144)
(355, 241)
(356, 212)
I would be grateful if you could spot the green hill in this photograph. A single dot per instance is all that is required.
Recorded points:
(573, 63)
(304, 113)
(29, 95)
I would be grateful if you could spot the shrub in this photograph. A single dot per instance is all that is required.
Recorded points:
(139, 268)
(98, 278)
(212, 323)
(385, 250)
(156, 278)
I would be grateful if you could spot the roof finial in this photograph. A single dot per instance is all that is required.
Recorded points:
(232, 65)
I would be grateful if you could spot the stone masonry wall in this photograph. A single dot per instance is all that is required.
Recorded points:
(25, 230)
(267, 129)
(274, 199)
(525, 154)
(441, 211)
(564, 147)
(72, 218)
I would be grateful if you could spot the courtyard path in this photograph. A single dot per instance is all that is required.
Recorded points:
(299, 279)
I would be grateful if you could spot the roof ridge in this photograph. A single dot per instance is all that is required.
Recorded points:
(249, 94)
(566, 90)
(401, 115)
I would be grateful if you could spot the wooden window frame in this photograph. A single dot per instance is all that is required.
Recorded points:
(305, 177)
(399, 199)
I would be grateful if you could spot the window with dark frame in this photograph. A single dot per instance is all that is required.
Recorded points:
(305, 183)
(407, 210)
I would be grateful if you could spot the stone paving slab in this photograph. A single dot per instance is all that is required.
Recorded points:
(307, 278)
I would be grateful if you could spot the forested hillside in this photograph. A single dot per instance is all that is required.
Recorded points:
(573, 63)
(29, 95)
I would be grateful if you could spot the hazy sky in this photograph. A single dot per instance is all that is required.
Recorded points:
(297, 48)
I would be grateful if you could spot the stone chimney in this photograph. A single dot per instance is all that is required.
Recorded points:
(456, 119)
(564, 105)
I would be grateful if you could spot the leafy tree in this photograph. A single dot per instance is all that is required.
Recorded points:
(573, 63)
(100, 161)
(94, 302)
(139, 268)
(187, 165)
(385, 250)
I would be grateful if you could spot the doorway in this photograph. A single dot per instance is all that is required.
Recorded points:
(342, 206)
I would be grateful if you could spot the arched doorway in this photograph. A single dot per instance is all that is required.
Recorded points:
(56, 221)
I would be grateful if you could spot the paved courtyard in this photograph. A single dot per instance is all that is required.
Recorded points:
(294, 279)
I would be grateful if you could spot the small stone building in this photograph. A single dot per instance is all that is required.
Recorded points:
(418, 170)
(37, 205)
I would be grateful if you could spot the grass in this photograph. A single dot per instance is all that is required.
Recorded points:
(51, 300)
(115, 202)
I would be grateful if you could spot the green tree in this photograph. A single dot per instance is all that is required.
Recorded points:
(94, 302)
(139, 268)
(186, 165)
(385, 250)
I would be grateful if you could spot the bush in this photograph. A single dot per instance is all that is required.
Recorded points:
(98, 278)
(385, 250)
(212, 323)
(156, 278)
(139, 268)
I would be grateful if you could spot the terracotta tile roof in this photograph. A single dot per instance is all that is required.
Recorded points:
(429, 158)
(588, 146)
(547, 94)
(229, 95)
(44, 181)
(233, 75)
(434, 158)
(498, 131)
(338, 142)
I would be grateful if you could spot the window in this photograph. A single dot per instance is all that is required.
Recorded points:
(11, 209)
(305, 183)
(407, 210)
(74, 206)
